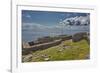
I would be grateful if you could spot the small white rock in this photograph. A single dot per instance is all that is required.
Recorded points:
(46, 59)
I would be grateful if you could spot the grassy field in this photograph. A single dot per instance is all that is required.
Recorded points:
(67, 50)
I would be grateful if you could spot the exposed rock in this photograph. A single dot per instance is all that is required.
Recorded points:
(31, 43)
(44, 56)
(60, 50)
(79, 36)
(27, 58)
(46, 59)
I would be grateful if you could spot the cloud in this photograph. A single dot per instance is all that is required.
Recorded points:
(72, 23)
(37, 27)
(77, 20)
(31, 26)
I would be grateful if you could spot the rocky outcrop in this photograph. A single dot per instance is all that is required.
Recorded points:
(79, 36)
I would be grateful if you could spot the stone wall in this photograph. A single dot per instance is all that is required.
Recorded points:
(66, 38)
(40, 46)
(46, 42)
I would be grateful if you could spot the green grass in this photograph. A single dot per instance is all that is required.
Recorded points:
(67, 50)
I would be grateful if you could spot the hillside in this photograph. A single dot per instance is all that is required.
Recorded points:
(67, 50)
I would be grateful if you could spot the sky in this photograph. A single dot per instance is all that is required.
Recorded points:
(37, 24)
(47, 17)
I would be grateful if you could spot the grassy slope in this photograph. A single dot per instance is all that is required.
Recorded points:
(67, 50)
